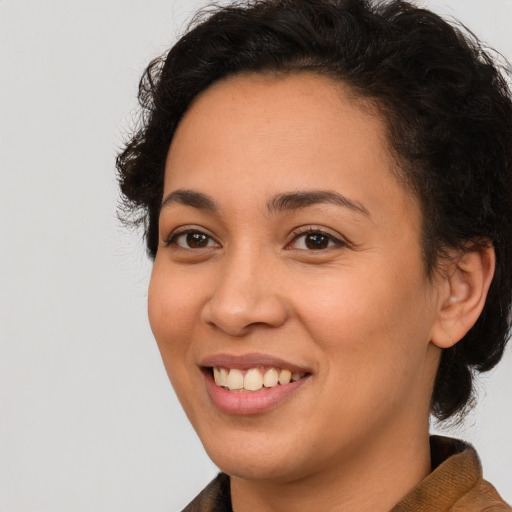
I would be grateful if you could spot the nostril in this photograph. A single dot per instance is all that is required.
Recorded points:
(238, 317)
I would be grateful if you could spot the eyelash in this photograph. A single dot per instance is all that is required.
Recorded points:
(297, 234)
(173, 237)
(309, 230)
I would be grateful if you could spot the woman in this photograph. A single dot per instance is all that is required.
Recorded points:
(326, 192)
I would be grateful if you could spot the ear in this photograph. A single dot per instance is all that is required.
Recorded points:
(463, 290)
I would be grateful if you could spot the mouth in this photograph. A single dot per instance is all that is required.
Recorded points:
(253, 379)
(252, 383)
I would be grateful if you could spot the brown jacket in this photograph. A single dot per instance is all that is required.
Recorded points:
(455, 485)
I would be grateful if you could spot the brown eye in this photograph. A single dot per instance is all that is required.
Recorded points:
(311, 239)
(316, 241)
(192, 240)
(196, 240)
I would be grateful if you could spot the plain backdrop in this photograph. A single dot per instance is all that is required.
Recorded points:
(88, 420)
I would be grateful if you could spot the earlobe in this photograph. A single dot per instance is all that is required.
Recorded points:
(465, 290)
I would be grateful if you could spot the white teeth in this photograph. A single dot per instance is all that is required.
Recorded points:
(235, 379)
(271, 378)
(220, 376)
(285, 376)
(253, 380)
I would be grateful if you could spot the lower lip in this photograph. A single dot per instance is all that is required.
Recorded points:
(251, 402)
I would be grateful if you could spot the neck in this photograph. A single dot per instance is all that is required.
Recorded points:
(373, 479)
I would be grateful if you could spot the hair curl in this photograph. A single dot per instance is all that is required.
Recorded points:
(446, 105)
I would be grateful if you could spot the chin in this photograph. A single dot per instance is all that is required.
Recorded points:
(247, 468)
(254, 456)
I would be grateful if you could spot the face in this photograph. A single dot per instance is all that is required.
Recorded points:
(289, 269)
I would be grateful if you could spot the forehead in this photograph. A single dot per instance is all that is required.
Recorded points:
(275, 133)
(295, 108)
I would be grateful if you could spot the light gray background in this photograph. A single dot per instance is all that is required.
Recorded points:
(88, 420)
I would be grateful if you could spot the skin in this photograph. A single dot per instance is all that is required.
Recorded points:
(359, 312)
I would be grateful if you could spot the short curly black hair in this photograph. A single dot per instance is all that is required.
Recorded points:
(447, 109)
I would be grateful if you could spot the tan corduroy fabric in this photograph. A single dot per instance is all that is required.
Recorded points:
(455, 485)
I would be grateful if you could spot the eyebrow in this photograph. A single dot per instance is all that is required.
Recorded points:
(190, 198)
(279, 203)
(297, 200)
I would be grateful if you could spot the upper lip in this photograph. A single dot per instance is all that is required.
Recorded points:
(252, 360)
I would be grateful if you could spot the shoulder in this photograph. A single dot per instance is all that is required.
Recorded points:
(483, 497)
(456, 483)
(215, 497)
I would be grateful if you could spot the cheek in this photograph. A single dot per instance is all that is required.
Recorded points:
(172, 309)
(369, 323)
(351, 305)
(372, 350)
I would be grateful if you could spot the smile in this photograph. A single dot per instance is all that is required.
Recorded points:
(253, 379)
(252, 383)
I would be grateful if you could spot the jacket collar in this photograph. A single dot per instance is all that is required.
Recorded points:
(454, 485)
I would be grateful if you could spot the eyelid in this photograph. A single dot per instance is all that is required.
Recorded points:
(183, 230)
(301, 231)
(297, 233)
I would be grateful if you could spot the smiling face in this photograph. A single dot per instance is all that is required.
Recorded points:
(289, 250)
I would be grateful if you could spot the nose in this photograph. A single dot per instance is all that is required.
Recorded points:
(246, 295)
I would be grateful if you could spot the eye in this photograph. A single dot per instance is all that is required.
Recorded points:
(314, 240)
(191, 239)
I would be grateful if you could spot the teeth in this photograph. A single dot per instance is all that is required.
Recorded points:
(271, 378)
(220, 376)
(223, 377)
(253, 379)
(285, 376)
(235, 379)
